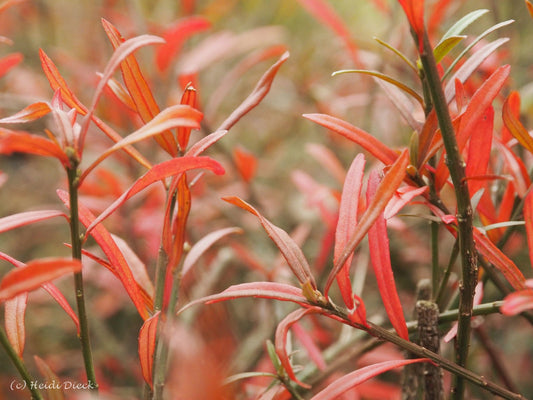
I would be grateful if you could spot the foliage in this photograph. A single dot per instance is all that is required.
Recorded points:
(397, 193)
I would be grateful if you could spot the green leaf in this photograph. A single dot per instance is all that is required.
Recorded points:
(398, 53)
(386, 78)
(444, 47)
(462, 24)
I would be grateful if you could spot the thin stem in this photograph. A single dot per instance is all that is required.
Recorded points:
(29, 382)
(456, 166)
(73, 180)
(435, 270)
(439, 297)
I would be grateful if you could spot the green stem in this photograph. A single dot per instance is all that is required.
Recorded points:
(73, 180)
(29, 382)
(456, 166)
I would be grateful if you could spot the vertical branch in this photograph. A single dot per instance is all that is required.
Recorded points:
(456, 167)
(29, 382)
(73, 180)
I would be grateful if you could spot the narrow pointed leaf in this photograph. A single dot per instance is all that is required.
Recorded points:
(205, 143)
(288, 248)
(176, 36)
(346, 226)
(282, 331)
(386, 78)
(27, 217)
(529, 6)
(401, 198)
(390, 183)
(34, 274)
(134, 79)
(378, 243)
(120, 92)
(479, 149)
(495, 256)
(104, 239)
(514, 125)
(351, 380)
(147, 341)
(402, 56)
(258, 94)
(368, 142)
(459, 27)
(203, 245)
(445, 46)
(22, 142)
(414, 10)
(528, 218)
(15, 310)
(157, 173)
(517, 302)
(184, 133)
(53, 383)
(50, 288)
(246, 163)
(265, 290)
(28, 114)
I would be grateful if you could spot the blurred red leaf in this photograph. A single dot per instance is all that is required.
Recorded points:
(188, 98)
(288, 248)
(326, 14)
(516, 167)
(147, 341)
(173, 167)
(529, 6)
(517, 302)
(347, 224)
(495, 256)
(308, 341)
(368, 142)
(176, 35)
(27, 217)
(113, 254)
(349, 381)
(513, 124)
(34, 274)
(15, 310)
(9, 61)
(528, 218)
(22, 142)
(28, 114)
(282, 330)
(265, 290)
(328, 160)
(203, 245)
(50, 288)
(258, 94)
(390, 183)
(246, 163)
(378, 243)
(134, 80)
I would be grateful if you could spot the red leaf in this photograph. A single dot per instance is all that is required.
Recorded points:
(511, 112)
(378, 243)
(173, 167)
(528, 218)
(203, 245)
(34, 274)
(176, 36)
(513, 124)
(28, 217)
(307, 339)
(258, 94)
(246, 163)
(388, 186)
(495, 256)
(414, 9)
(113, 254)
(9, 61)
(147, 340)
(401, 198)
(517, 302)
(288, 248)
(282, 331)
(50, 288)
(188, 98)
(349, 381)
(134, 80)
(327, 15)
(28, 114)
(356, 135)
(204, 143)
(22, 142)
(347, 224)
(14, 321)
(479, 149)
(264, 290)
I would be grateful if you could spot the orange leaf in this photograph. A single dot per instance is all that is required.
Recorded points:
(529, 6)
(136, 84)
(147, 340)
(34, 274)
(14, 321)
(414, 9)
(188, 98)
(378, 243)
(28, 114)
(246, 163)
(388, 186)
(513, 124)
(528, 218)
(9, 61)
(23, 142)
